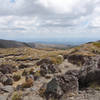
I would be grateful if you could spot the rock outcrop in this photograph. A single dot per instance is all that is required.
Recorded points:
(90, 72)
(7, 69)
(6, 80)
(44, 61)
(77, 59)
(48, 69)
(61, 86)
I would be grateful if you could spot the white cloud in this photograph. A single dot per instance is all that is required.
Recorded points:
(49, 18)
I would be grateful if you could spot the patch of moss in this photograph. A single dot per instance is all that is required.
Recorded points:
(17, 96)
(95, 85)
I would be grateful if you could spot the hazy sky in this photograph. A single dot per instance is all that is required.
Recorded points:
(39, 19)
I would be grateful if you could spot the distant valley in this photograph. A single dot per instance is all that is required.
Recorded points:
(16, 44)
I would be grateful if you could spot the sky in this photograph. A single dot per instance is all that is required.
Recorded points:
(30, 20)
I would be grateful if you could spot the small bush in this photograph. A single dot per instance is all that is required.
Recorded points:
(28, 84)
(17, 96)
(31, 71)
(16, 77)
(95, 86)
(37, 75)
(57, 60)
(25, 72)
(42, 90)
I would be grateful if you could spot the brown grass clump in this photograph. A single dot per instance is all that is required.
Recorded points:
(25, 72)
(37, 75)
(97, 44)
(31, 71)
(28, 83)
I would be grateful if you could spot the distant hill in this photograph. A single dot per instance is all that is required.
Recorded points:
(16, 44)
(54, 46)
(12, 44)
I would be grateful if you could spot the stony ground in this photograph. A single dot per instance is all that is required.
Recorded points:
(50, 74)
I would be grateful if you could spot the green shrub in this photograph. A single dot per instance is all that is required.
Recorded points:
(31, 71)
(57, 60)
(16, 77)
(25, 72)
(37, 75)
(17, 96)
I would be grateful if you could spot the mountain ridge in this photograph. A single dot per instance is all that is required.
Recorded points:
(16, 44)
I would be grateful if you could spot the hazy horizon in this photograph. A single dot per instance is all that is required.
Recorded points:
(58, 21)
(63, 41)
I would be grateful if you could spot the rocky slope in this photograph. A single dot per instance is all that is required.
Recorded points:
(34, 74)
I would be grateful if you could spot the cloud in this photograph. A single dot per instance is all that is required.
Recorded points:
(49, 18)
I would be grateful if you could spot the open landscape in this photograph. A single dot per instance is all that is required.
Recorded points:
(50, 74)
(49, 49)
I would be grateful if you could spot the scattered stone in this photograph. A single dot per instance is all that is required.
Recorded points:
(48, 69)
(7, 69)
(7, 88)
(6, 80)
(22, 66)
(77, 59)
(28, 77)
(4, 96)
(44, 61)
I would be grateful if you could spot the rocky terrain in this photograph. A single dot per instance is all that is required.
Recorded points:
(50, 74)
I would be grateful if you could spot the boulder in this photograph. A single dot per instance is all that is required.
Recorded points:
(8, 89)
(48, 69)
(7, 69)
(28, 77)
(4, 96)
(44, 61)
(22, 66)
(90, 72)
(77, 59)
(6, 80)
(61, 86)
(73, 72)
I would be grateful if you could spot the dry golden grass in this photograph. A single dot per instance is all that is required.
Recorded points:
(27, 53)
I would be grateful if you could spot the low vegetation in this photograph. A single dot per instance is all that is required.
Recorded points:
(97, 44)
(17, 96)
(16, 77)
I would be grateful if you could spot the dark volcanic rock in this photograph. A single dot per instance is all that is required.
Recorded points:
(48, 69)
(77, 59)
(61, 85)
(6, 80)
(26, 59)
(7, 69)
(90, 72)
(44, 61)
(22, 66)
(73, 72)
